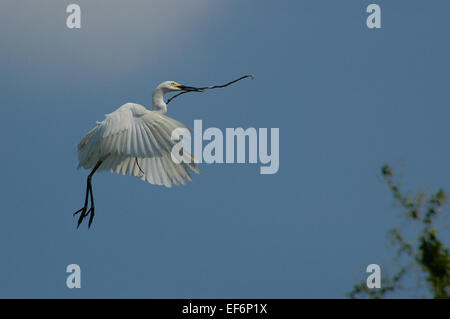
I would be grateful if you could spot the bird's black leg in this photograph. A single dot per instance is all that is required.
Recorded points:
(85, 211)
(92, 209)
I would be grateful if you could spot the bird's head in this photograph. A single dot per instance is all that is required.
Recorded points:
(171, 86)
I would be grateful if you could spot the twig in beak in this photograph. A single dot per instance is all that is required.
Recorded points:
(192, 89)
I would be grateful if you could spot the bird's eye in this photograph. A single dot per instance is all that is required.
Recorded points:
(174, 84)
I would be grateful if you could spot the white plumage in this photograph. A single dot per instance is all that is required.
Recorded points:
(133, 140)
(136, 141)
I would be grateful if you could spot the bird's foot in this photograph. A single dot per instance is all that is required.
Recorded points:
(84, 213)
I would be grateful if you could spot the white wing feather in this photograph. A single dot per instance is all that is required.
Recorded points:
(133, 140)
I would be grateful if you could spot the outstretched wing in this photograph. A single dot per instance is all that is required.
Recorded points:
(133, 140)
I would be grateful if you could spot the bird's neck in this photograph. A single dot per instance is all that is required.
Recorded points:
(158, 102)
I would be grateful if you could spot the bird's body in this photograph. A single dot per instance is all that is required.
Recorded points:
(136, 141)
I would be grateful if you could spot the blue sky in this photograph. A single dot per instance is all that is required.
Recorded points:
(346, 99)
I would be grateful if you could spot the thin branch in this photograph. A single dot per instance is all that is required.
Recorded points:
(212, 87)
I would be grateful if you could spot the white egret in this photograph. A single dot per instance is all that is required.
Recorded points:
(136, 141)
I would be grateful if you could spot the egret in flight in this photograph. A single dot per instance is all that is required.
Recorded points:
(136, 141)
